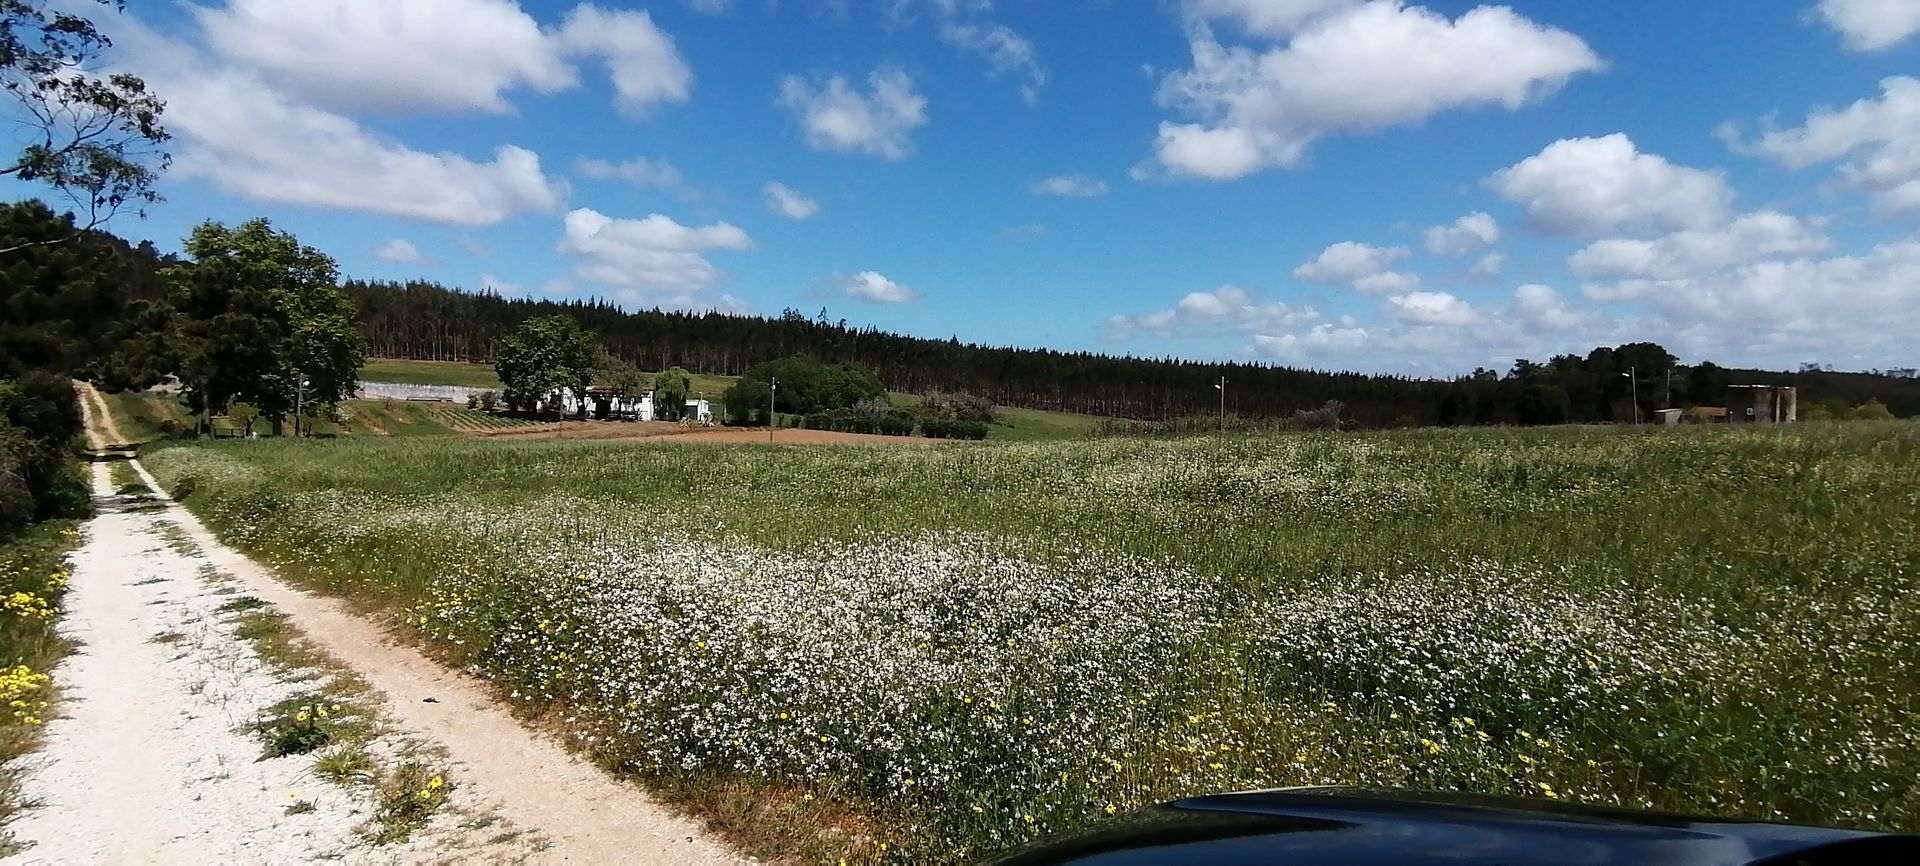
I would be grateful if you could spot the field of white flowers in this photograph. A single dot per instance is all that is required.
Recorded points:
(970, 646)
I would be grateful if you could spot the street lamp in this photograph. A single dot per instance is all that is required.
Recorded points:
(1221, 386)
(1634, 378)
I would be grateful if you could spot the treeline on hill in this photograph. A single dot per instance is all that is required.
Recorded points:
(251, 317)
(73, 302)
(427, 321)
(848, 398)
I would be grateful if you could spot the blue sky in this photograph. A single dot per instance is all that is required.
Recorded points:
(1345, 184)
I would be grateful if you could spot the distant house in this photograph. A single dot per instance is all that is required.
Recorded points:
(1668, 417)
(1762, 404)
(698, 410)
(612, 403)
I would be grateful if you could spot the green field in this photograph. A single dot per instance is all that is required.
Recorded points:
(429, 373)
(975, 644)
(1014, 425)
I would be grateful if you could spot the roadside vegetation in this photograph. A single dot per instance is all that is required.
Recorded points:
(41, 494)
(33, 579)
(338, 724)
(965, 647)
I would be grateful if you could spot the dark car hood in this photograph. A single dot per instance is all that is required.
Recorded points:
(1365, 826)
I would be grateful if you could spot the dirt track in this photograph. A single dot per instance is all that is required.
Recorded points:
(152, 761)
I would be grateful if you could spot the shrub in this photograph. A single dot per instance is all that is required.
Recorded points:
(958, 406)
(948, 428)
(895, 422)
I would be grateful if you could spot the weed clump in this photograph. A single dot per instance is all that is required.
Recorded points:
(408, 798)
(298, 726)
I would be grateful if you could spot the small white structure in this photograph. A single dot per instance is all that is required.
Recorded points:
(698, 410)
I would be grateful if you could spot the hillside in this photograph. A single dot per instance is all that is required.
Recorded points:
(1014, 424)
(427, 321)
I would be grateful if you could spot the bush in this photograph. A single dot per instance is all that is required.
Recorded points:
(895, 422)
(947, 428)
(39, 420)
(959, 406)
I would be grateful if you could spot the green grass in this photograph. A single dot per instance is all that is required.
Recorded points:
(1039, 425)
(988, 642)
(397, 418)
(145, 416)
(429, 373)
(33, 581)
(1024, 425)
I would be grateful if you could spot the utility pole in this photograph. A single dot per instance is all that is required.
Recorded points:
(1669, 400)
(1222, 386)
(773, 389)
(1633, 378)
(299, 395)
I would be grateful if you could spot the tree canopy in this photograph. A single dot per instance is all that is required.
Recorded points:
(96, 139)
(263, 321)
(542, 357)
(80, 302)
(670, 393)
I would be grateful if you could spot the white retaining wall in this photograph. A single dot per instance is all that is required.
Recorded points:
(397, 391)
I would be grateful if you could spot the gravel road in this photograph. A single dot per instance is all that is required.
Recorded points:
(151, 760)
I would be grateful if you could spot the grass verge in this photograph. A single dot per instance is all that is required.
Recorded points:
(33, 581)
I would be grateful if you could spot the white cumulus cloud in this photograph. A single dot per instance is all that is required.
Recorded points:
(654, 253)
(433, 55)
(645, 66)
(1363, 267)
(1466, 234)
(1598, 186)
(1272, 18)
(835, 116)
(1542, 308)
(1348, 68)
(874, 288)
(399, 252)
(1327, 338)
(789, 202)
(1005, 51)
(1223, 310)
(1431, 308)
(440, 55)
(249, 141)
(1071, 186)
(1876, 140)
(245, 136)
(1872, 25)
(1751, 237)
